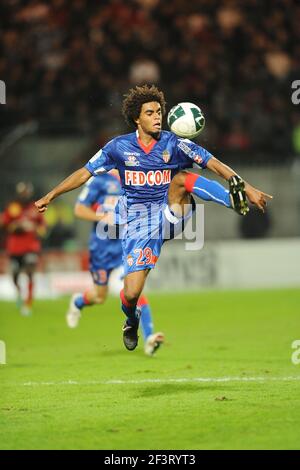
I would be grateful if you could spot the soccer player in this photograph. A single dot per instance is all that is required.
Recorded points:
(24, 226)
(96, 203)
(152, 164)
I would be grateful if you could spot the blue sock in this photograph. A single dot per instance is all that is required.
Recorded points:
(208, 190)
(146, 321)
(81, 301)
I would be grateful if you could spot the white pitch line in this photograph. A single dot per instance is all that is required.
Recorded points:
(165, 381)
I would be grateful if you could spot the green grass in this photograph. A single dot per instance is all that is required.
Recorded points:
(211, 334)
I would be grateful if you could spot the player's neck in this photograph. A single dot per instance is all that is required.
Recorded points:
(145, 138)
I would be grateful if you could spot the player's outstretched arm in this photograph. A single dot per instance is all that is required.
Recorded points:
(76, 179)
(87, 213)
(255, 196)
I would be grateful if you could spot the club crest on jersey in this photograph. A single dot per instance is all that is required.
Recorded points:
(132, 161)
(130, 260)
(166, 156)
(198, 159)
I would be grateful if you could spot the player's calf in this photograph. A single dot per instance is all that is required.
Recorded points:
(210, 190)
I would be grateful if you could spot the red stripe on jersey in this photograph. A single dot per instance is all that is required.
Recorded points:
(154, 259)
(149, 147)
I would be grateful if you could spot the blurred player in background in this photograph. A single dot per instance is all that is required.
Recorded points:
(24, 227)
(152, 164)
(97, 203)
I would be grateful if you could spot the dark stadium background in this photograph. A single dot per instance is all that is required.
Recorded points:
(66, 65)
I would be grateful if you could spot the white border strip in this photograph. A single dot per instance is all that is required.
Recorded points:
(163, 381)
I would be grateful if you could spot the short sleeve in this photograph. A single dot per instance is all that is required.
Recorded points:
(188, 150)
(103, 161)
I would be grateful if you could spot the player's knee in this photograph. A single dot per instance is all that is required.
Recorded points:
(132, 295)
(180, 179)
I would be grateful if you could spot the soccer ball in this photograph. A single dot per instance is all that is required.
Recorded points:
(186, 120)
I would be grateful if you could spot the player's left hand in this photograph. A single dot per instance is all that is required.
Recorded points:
(257, 197)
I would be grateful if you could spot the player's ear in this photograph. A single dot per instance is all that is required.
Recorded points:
(137, 121)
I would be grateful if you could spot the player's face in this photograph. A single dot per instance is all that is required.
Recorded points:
(150, 118)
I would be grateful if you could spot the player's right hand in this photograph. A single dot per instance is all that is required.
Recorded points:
(257, 197)
(42, 204)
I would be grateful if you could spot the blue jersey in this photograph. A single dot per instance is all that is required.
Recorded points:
(102, 194)
(146, 171)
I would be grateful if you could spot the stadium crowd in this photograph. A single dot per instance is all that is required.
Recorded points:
(66, 63)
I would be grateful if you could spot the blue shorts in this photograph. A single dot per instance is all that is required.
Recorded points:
(101, 267)
(144, 236)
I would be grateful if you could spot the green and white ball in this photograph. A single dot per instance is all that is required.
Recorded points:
(186, 120)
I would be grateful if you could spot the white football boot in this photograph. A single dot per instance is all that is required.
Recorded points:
(73, 314)
(153, 342)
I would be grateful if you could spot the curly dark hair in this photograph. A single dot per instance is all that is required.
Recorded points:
(135, 99)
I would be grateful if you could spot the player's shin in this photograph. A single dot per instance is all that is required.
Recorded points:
(208, 190)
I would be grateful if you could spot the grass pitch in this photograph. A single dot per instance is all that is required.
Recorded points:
(223, 380)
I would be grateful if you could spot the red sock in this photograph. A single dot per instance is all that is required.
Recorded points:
(85, 299)
(123, 299)
(143, 301)
(190, 181)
